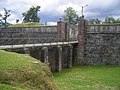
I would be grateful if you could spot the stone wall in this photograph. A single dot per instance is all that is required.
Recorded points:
(30, 35)
(73, 32)
(102, 45)
(35, 35)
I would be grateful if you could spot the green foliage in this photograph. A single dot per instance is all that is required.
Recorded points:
(89, 78)
(23, 72)
(94, 21)
(109, 20)
(28, 24)
(31, 15)
(70, 15)
(117, 21)
(1, 24)
(4, 17)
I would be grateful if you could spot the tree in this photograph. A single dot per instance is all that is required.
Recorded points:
(5, 16)
(94, 21)
(0, 15)
(117, 20)
(70, 15)
(1, 24)
(31, 15)
(109, 20)
(97, 21)
(91, 21)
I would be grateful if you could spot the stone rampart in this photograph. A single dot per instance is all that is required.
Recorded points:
(35, 35)
(102, 45)
(30, 35)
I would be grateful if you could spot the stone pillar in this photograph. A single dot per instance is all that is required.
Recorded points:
(27, 51)
(39, 54)
(61, 28)
(58, 58)
(64, 56)
(44, 55)
(69, 56)
(75, 55)
(52, 54)
(67, 32)
(81, 40)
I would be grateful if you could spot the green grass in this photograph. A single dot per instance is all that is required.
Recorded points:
(22, 72)
(10, 87)
(89, 78)
(28, 24)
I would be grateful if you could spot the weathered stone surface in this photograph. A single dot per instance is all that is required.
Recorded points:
(34, 35)
(67, 56)
(26, 51)
(55, 58)
(102, 45)
(64, 56)
(44, 55)
(15, 36)
(81, 40)
(70, 55)
(75, 55)
(72, 32)
(59, 58)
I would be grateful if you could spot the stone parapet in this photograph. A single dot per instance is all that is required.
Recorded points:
(110, 28)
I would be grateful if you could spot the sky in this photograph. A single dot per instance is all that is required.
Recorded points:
(52, 10)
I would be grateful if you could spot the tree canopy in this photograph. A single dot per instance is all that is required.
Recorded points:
(109, 20)
(31, 15)
(94, 21)
(70, 15)
(4, 17)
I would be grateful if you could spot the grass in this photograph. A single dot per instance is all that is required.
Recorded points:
(28, 24)
(10, 87)
(22, 72)
(89, 78)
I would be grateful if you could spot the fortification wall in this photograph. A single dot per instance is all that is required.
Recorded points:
(102, 45)
(34, 35)
(30, 35)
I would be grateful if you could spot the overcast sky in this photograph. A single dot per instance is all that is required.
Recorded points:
(51, 10)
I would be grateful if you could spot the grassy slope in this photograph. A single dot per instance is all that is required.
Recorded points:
(10, 87)
(28, 24)
(89, 78)
(23, 72)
